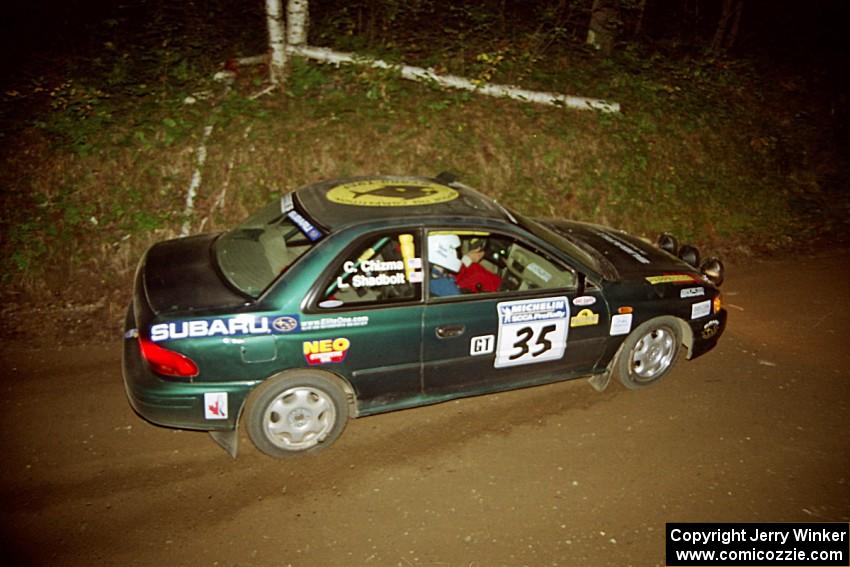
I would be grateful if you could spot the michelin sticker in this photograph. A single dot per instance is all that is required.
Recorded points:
(391, 193)
(532, 330)
(239, 325)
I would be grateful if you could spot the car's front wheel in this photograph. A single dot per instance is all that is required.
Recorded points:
(297, 413)
(648, 353)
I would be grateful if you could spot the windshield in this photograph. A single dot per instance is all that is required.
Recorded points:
(252, 255)
(560, 241)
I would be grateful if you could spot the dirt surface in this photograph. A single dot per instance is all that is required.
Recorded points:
(556, 475)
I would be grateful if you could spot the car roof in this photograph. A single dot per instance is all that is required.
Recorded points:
(354, 200)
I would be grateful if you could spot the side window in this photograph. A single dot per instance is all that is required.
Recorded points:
(386, 269)
(463, 262)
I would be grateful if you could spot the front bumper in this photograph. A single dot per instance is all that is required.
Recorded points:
(706, 332)
(173, 402)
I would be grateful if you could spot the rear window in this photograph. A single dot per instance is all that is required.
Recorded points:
(252, 255)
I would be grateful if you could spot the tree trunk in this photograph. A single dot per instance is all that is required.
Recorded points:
(274, 20)
(604, 21)
(297, 22)
(727, 26)
(641, 12)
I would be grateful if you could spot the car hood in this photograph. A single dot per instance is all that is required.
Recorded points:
(180, 275)
(631, 257)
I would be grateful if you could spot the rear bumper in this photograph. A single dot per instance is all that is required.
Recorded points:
(175, 403)
(706, 333)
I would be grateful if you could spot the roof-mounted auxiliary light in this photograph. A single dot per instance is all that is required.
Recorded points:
(689, 254)
(667, 242)
(713, 269)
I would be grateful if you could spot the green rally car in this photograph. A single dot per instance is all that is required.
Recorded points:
(365, 295)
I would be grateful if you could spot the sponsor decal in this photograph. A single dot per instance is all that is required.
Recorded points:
(215, 405)
(388, 193)
(584, 300)
(482, 345)
(415, 277)
(539, 272)
(621, 324)
(239, 325)
(673, 278)
(286, 203)
(326, 351)
(625, 247)
(285, 323)
(692, 292)
(710, 329)
(584, 318)
(334, 323)
(354, 278)
(304, 225)
(531, 331)
(701, 309)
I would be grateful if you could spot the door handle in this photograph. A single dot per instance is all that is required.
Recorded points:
(449, 331)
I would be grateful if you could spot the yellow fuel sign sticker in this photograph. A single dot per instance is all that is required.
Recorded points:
(385, 193)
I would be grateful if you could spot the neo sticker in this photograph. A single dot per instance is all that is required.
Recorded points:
(326, 351)
(389, 193)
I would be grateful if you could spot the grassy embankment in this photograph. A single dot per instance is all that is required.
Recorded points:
(99, 170)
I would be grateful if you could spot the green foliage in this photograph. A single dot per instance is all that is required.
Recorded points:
(701, 148)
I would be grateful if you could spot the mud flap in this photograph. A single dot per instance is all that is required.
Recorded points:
(600, 381)
(227, 440)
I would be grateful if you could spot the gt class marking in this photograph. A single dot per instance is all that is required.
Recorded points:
(482, 345)
(326, 351)
(531, 331)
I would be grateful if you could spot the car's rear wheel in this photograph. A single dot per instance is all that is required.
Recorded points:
(648, 353)
(297, 413)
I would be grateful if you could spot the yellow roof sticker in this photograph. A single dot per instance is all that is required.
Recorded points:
(391, 193)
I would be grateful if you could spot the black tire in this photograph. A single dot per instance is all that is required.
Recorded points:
(648, 353)
(292, 414)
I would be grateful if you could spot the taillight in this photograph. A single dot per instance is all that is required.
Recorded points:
(167, 362)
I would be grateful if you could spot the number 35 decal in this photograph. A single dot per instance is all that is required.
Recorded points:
(532, 330)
